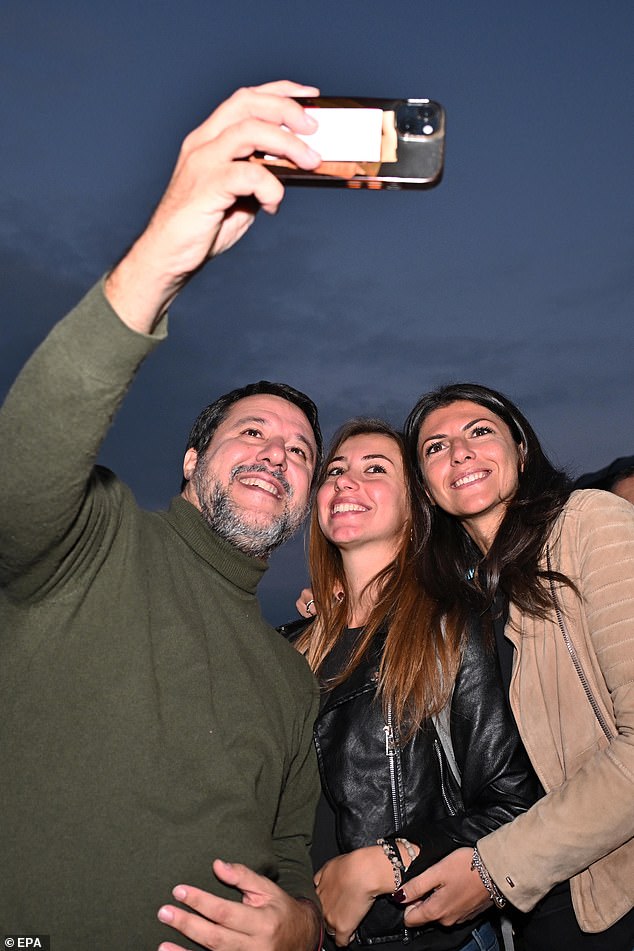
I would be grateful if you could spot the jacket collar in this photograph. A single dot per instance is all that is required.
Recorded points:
(363, 678)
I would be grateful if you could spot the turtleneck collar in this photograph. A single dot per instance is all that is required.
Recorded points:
(242, 570)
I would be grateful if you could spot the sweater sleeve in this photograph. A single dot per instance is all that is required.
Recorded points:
(496, 778)
(590, 813)
(52, 425)
(293, 830)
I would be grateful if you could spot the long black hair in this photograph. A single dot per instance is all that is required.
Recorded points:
(453, 569)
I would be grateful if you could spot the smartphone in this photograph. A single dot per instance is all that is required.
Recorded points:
(370, 143)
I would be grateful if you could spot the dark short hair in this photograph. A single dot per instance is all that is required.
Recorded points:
(607, 478)
(212, 416)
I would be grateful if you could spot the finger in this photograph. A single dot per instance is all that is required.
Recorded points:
(305, 599)
(418, 913)
(343, 938)
(209, 165)
(245, 180)
(246, 104)
(275, 105)
(431, 908)
(419, 887)
(258, 888)
(286, 87)
(255, 135)
(213, 917)
(205, 932)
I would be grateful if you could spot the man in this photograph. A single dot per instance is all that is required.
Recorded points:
(618, 478)
(151, 721)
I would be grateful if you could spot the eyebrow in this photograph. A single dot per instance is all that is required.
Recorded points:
(371, 455)
(245, 420)
(478, 419)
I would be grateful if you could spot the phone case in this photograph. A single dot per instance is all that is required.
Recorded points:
(370, 143)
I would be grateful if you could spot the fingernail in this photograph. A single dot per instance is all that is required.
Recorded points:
(311, 122)
(399, 896)
(165, 915)
(179, 893)
(226, 864)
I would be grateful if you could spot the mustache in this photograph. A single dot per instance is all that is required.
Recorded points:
(259, 467)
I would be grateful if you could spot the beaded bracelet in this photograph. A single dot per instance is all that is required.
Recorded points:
(477, 865)
(409, 848)
(394, 857)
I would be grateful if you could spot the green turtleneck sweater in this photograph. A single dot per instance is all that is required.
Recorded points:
(150, 720)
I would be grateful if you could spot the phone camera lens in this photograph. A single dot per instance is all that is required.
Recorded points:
(417, 119)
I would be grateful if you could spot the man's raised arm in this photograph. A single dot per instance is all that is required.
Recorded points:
(212, 197)
(60, 408)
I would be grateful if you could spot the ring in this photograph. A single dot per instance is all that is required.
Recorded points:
(308, 604)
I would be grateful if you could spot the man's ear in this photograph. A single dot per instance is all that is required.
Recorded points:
(189, 463)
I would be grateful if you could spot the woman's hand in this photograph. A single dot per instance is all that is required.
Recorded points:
(305, 604)
(347, 886)
(448, 892)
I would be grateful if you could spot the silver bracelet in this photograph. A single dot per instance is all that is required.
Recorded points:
(477, 865)
(395, 860)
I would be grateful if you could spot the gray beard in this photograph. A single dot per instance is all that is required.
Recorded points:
(228, 521)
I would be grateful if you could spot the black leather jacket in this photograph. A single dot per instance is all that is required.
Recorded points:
(379, 786)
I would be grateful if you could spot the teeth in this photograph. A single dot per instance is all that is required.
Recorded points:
(473, 477)
(347, 507)
(260, 484)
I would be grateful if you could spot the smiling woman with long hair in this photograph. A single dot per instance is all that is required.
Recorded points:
(553, 571)
(416, 747)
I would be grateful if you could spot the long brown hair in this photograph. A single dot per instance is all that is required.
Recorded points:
(421, 655)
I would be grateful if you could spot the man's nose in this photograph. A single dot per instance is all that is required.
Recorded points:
(273, 452)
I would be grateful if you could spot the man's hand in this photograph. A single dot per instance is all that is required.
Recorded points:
(212, 197)
(457, 893)
(267, 919)
(347, 886)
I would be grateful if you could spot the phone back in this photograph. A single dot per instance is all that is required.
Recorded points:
(371, 143)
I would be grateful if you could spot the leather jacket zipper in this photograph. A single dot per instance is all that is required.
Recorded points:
(443, 789)
(392, 752)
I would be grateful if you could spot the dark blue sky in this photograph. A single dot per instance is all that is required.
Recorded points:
(516, 271)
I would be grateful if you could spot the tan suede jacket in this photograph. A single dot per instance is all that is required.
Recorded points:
(583, 829)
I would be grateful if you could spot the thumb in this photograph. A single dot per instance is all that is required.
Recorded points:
(250, 883)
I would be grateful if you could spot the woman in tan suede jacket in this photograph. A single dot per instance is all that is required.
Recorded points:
(554, 571)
